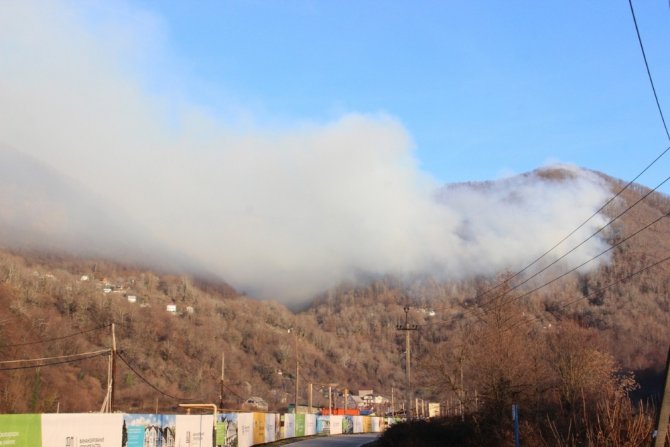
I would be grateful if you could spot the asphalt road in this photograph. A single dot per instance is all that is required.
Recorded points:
(337, 441)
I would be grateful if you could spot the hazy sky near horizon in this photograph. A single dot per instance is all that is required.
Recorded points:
(292, 145)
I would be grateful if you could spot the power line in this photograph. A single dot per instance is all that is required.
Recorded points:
(543, 255)
(660, 111)
(234, 393)
(594, 293)
(582, 243)
(626, 239)
(646, 64)
(145, 380)
(595, 257)
(49, 340)
(519, 321)
(61, 362)
(106, 351)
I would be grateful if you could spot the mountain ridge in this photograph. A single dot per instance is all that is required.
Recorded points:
(347, 335)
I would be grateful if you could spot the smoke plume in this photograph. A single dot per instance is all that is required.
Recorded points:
(279, 213)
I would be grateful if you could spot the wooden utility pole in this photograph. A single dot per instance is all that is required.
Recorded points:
(408, 375)
(664, 410)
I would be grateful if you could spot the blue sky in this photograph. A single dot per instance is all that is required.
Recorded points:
(484, 89)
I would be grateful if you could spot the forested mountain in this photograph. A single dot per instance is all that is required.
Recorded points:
(55, 305)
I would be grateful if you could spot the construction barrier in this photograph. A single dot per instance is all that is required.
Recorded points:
(164, 430)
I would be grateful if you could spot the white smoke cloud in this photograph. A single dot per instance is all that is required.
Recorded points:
(277, 213)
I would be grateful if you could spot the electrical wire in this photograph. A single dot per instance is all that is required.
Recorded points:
(234, 393)
(582, 243)
(12, 368)
(665, 127)
(646, 64)
(49, 340)
(594, 293)
(556, 245)
(517, 321)
(627, 238)
(54, 358)
(145, 380)
(593, 258)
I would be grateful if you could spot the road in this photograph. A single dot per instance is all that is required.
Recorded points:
(337, 441)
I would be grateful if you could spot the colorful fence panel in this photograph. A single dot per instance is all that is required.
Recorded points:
(367, 424)
(259, 428)
(149, 430)
(245, 423)
(82, 430)
(336, 425)
(289, 426)
(152, 430)
(194, 430)
(270, 427)
(323, 424)
(310, 424)
(299, 425)
(375, 424)
(226, 430)
(347, 425)
(20, 429)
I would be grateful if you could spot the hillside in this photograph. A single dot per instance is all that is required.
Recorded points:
(55, 305)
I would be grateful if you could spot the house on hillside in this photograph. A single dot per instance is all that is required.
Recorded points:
(172, 308)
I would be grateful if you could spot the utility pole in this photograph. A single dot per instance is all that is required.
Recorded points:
(297, 373)
(330, 400)
(408, 377)
(223, 375)
(297, 368)
(664, 410)
(392, 403)
(311, 390)
(111, 399)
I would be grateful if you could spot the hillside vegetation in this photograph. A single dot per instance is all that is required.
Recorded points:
(475, 344)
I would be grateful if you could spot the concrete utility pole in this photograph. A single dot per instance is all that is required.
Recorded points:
(297, 368)
(311, 390)
(330, 400)
(223, 375)
(664, 410)
(111, 399)
(408, 377)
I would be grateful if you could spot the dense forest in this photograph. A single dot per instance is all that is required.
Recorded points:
(551, 343)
